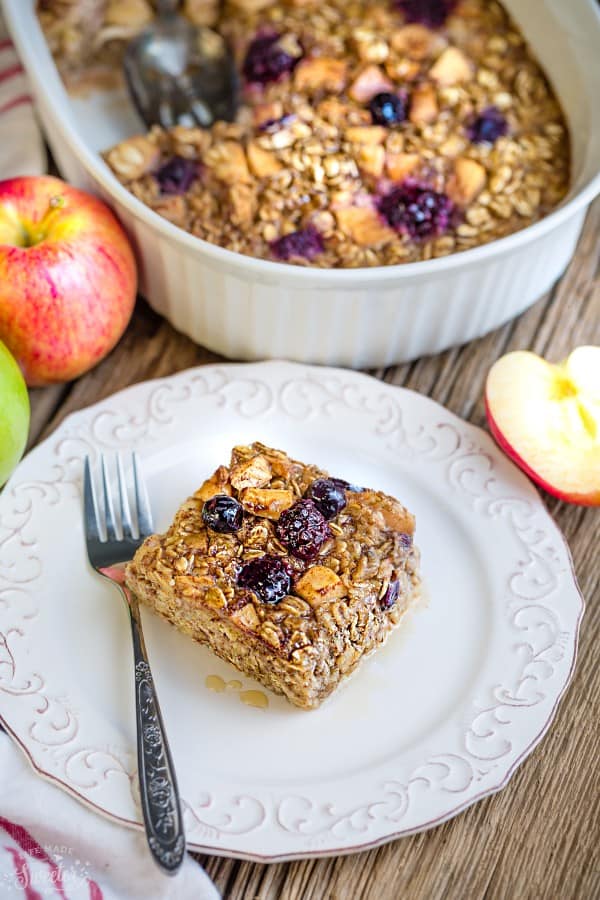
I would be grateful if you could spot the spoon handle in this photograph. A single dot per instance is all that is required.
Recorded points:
(167, 7)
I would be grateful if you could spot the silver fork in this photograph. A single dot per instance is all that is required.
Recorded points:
(108, 552)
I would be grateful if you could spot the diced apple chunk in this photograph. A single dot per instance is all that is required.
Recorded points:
(134, 157)
(320, 585)
(468, 180)
(364, 225)
(400, 165)
(423, 105)
(451, 67)
(370, 82)
(267, 112)
(366, 134)
(228, 161)
(265, 502)
(255, 472)
(247, 617)
(371, 160)
(417, 42)
(218, 483)
(320, 73)
(263, 163)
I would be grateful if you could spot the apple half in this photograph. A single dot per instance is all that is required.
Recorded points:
(547, 419)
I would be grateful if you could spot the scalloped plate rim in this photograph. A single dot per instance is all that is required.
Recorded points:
(524, 482)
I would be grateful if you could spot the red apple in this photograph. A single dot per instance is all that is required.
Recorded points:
(547, 419)
(67, 278)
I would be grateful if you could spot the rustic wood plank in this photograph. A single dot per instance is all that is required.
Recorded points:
(45, 402)
(538, 838)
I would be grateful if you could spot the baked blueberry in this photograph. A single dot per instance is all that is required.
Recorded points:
(267, 59)
(432, 13)
(303, 529)
(223, 514)
(268, 576)
(417, 210)
(305, 243)
(387, 109)
(177, 175)
(488, 126)
(327, 496)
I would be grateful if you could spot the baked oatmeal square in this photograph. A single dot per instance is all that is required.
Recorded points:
(287, 573)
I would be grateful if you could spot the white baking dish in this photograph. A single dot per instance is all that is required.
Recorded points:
(250, 308)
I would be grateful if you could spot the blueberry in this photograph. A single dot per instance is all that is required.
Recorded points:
(432, 13)
(303, 529)
(327, 496)
(391, 595)
(387, 109)
(268, 576)
(223, 514)
(488, 126)
(177, 175)
(267, 59)
(417, 210)
(306, 243)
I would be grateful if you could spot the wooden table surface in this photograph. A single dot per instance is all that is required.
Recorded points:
(540, 836)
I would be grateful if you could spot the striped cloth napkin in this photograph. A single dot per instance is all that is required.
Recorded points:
(51, 846)
(22, 150)
(54, 848)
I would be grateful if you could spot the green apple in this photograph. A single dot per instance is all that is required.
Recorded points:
(14, 414)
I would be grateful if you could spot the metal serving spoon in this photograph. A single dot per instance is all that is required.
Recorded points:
(178, 74)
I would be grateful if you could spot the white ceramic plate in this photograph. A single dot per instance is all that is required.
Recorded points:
(438, 719)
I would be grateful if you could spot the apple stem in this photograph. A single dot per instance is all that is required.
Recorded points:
(39, 231)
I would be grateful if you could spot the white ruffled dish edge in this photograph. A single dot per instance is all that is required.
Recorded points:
(487, 660)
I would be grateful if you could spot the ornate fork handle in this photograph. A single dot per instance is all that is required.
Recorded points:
(158, 785)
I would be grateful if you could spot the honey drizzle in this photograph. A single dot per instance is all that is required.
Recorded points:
(256, 699)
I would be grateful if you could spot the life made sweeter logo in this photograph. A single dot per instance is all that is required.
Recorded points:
(54, 867)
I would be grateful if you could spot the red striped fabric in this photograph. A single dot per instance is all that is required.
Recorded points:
(13, 84)
(10, 72)
(20, 100)
(35, 851)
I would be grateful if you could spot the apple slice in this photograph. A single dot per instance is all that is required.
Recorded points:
(547, 419)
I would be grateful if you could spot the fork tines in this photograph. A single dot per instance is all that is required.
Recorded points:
(102, 523)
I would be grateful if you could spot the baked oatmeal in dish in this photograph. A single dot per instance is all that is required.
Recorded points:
(371, 132)
(290, 575)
